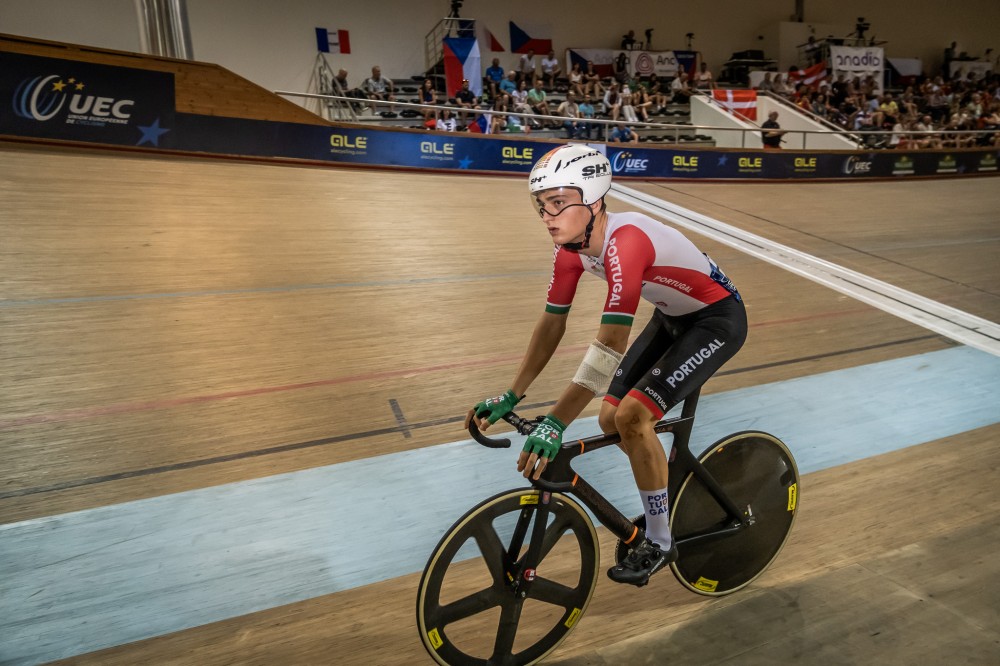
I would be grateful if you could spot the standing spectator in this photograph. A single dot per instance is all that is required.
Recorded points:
(571, 111)
(537, 99)
(576, 80)
(465, 99)
(592, 81)
(838, 91)
(704, 80)
(378, 88)
(428, 96)
(621, 68)
(771, 138)
(586, 112)
(494, 76)
(679, 87)
(623, 134)
(551, 70)
(526, 68)
(446, 123)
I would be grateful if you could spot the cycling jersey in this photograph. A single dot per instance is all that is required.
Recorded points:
(641, 258)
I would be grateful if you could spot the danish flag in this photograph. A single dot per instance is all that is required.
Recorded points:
(741, 102)
(811, 76)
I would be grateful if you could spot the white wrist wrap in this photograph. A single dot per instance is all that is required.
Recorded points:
(598, 367)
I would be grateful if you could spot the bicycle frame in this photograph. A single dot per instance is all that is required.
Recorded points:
(559, 476)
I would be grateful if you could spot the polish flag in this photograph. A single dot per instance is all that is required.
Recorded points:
(811, 76)
(741, 102)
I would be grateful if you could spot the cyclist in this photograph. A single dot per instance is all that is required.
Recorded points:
(699, 323)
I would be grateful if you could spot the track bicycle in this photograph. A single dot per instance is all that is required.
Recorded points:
(514, 575)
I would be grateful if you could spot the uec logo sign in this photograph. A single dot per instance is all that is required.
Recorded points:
(624, 162)
(42, 100)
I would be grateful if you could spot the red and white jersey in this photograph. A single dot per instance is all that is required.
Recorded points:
(641, 258)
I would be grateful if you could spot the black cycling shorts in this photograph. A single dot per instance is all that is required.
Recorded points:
(673, 356)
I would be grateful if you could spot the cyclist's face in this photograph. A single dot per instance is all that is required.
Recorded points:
(563, 213)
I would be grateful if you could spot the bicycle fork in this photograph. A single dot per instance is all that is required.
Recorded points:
(520, 573)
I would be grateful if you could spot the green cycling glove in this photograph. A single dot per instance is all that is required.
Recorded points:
(546, 438)
(494, 409)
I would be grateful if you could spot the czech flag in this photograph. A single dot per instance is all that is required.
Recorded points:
(462, 61)
(520, 42)
(481, 125)
(741, 102)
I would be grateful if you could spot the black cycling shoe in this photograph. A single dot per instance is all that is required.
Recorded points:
(642, 562)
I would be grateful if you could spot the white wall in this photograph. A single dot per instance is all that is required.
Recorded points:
(709, 115)
(791, 119)
(273, 43)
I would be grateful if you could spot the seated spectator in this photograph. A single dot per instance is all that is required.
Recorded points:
(592, 81)
(576, 80)
(926, 124)
(519, 103)
(679, 87)
(975, 106)
(571, 111)
(642, 102)
(499, 121)
(494, 76)
(538, 101)
(765, 85)
(889, 109)
(551, 70)
(953, 139)
(465, 99)
(805, 100)
(378, 88)
(821, 105)
(586, 111)
(446, 123)
(782, 86)
(509, 85)
(526, 68)
(612, 101)
(623, 134)
(627, 106)
(620, 66)
(342, 88)
(428, 96)
(657, 93)
(704, 80)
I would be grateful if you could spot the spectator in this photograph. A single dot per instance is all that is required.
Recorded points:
(628, 40)
(586, 112)
(838, 91)
(428, 96)
(975, 106)
(612, 101)
(623, 134)
(627, 105)
(576, 84)
(446, 123)
(620, 66)
(766, 85)
(782, 86)
(642, 102)
(526, 68)
(342, 87)
(592, 81)
(551, 70)
(465, 99)
(679, 87)
(926, 124)
(704, 80)
(509, 85)
(889, 109)
(519, 103)
(772, 137)
(571, 111)
(657, 92)
(378, 88)
(499, 121)
(537, 99)
(494, 76)
(821, 106)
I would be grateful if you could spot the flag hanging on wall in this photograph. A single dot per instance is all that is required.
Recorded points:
(521, 42)
(337, 41)
(462, 61)
(494, 43)
(741, 102)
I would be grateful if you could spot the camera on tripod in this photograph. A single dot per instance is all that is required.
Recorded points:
(861, 27)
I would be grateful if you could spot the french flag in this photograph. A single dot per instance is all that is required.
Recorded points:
(462, 62)
(339, 41)
(740, 102)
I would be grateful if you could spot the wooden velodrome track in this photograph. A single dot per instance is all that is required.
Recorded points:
(172, 324)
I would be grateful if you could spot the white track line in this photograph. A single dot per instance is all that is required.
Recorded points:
(960, 326)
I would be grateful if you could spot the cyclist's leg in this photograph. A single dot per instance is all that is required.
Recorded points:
(640, 357)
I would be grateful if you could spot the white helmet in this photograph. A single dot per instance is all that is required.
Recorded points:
(574, 165)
